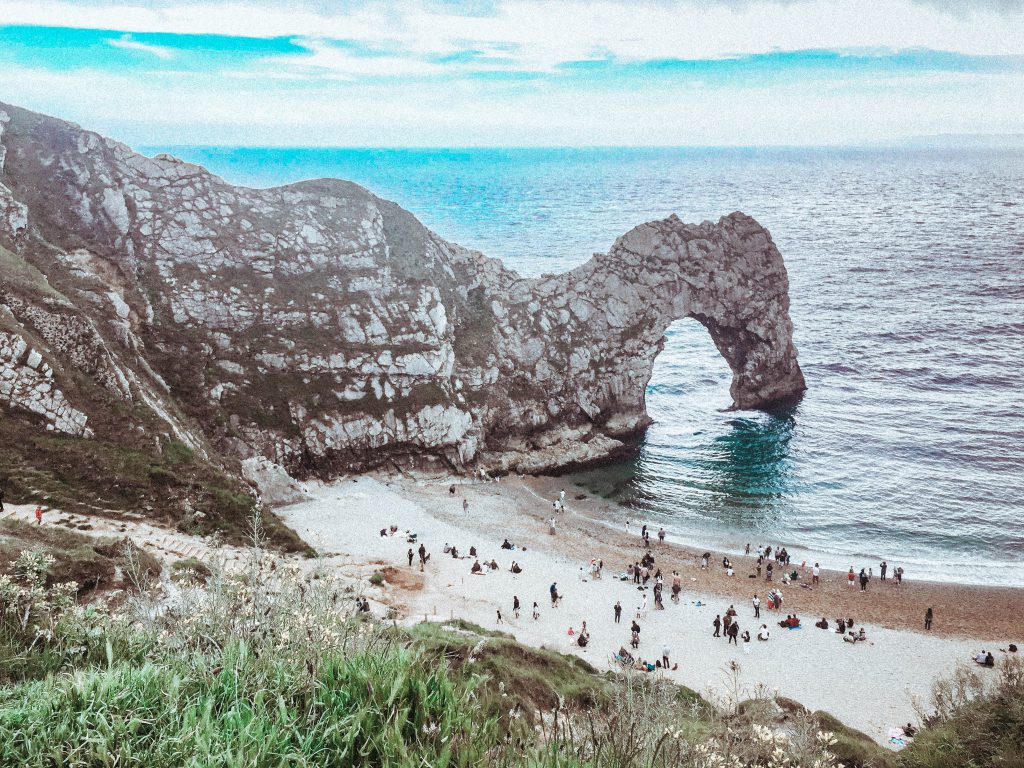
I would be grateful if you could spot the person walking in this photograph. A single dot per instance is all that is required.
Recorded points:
(928, 619)
(411, 554)
(423, 556)
(718, 626)
(515, 606)
(756, 601)
(553, 589)
(465, 505)
(734, 631)
(39, 515)
(618, 611)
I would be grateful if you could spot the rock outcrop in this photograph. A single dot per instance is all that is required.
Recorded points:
(327, 330)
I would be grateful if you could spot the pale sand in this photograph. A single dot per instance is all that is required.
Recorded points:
(867, 686)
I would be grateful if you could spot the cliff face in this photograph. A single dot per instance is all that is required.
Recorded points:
(328, 330)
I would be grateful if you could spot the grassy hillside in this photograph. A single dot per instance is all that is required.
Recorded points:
(164, 481)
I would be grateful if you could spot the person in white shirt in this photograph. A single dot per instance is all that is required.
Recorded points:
(815, 573)
(763, 633)
(756, 602)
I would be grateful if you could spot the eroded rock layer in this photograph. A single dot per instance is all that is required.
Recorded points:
(328, 330)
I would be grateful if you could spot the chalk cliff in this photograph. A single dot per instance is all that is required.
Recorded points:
(328, 330)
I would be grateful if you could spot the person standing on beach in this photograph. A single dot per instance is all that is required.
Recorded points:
(851, 577)
(618, 611)
(928, 619)
(768, 571)
(863, 581)
(551, 527)
(39, 515)
(756, 601)
(465, 505)
(515, 606)
(536, 611)
(410, 553)
(665, 650)
(661, 535)
(734, 631)
(499, 617)
(882, 568)
(815, 573)
(423, 556)
(554, 594)
(718, 626)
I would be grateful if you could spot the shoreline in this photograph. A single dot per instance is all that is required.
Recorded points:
(869, 686)
(699, 537)
(897, 612)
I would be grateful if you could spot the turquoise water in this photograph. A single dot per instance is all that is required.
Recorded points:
(907, 286)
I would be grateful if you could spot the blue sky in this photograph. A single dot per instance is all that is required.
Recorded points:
(561, 72)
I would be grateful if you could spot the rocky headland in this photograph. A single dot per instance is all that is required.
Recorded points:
(147, 302)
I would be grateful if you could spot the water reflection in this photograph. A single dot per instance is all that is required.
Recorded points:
(735, 470)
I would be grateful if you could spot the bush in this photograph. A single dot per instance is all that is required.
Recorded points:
(976, 720)
(190, 571)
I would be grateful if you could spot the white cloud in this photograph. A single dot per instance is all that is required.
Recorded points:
(541, 33)
(157, 109)
(126, 42)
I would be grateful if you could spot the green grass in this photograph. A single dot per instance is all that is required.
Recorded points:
(18, 273)
(100, 476)
(238, 709)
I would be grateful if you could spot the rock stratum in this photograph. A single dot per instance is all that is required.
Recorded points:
(326, 330)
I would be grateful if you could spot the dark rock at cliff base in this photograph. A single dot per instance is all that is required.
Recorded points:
(328, 330)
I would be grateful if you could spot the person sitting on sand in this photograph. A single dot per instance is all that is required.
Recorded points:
(582, 640)
(823, 624)
(506, 545)
(472, 551)
(516, 568)
(763, 633)
(493, 565)
(571, 632)
(455, 553)
(985, 659)
(477, 568)
(726, 563)
(786, 622)
(447, 548)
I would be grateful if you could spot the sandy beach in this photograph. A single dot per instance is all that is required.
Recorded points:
(870, 686)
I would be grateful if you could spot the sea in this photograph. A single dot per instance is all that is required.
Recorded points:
(906, 271)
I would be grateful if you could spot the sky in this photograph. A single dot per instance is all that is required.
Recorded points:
(493, 73)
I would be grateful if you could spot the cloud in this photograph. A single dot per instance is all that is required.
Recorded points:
(126, 42)
(539, 34)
